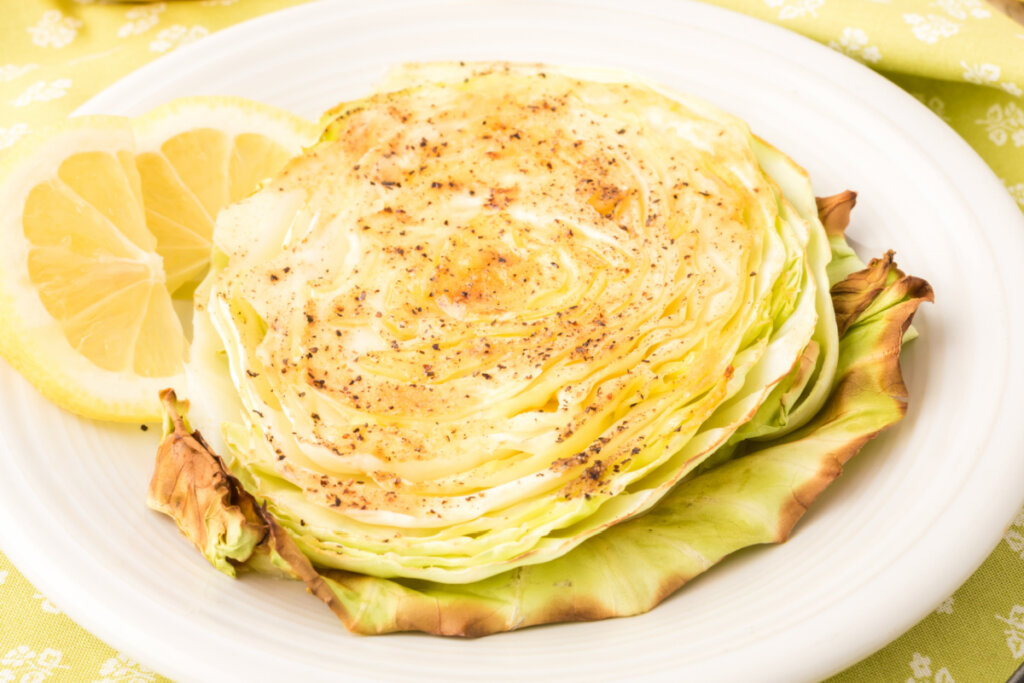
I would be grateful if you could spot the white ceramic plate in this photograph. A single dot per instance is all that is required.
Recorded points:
(914, 514)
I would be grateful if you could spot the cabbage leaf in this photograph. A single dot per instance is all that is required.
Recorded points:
(755, 496)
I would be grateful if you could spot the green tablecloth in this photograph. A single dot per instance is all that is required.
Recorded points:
(962, 58)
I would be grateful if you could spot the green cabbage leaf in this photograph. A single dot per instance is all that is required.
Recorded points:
(754, 496)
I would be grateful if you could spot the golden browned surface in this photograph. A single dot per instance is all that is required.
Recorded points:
(495, 289)
(834, 211)
(191, 485)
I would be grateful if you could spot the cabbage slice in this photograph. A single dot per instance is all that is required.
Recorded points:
(556, 460)
(516, 493)
(753, 498)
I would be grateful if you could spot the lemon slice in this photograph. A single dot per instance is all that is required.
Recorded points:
(100, 219)
(196, 155)
(85, 313)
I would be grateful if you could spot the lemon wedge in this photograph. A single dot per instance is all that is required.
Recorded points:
(101, 219)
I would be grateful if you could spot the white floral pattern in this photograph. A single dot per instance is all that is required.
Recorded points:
(933, 102)
(9, 136)
(982, 74)
(921, 668)
(794, 9)
(1017, 192)
(141, 19)
(8, 72)
(931, 28)
(28, 666)
(54, 29)
(1013, 537)
(963, 9)
(43, 91)
(175, 36)
(853, 42)
(45, 604)
(123, 669)
(1004, 124)
(988, 74)
(1015, 631)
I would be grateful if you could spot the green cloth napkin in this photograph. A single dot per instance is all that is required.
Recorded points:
(961, 58)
